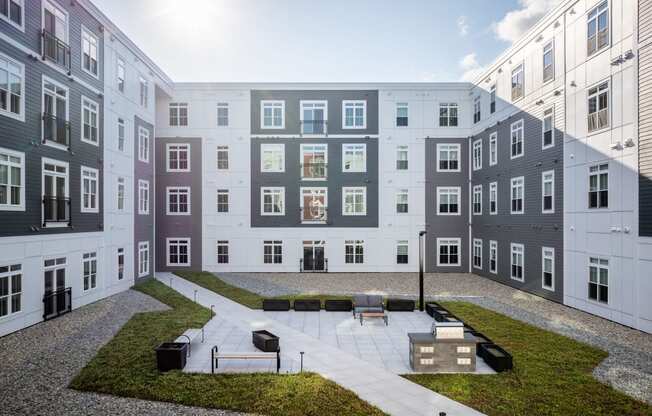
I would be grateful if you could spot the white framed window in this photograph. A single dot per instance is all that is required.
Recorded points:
(223, 157)
(272, 157)
(448, 157)
(599, 280)
(314, 161)
(547, 129)
(55, 127)
(402, 157)
(143, 258)
(178, 200)
(354, 252)
(222, 114)
(89, 266)
(12, 180)
(273, 252)
(222, 252)
(11, 289)
(314, 116)
(272, 201)
(178, 114)
(516, 135)
(448, 200)
(314, 205)
(222, 201)
(402, 201)
(54, 20)
(597, 25)
(448, 251)
(477, 109)
(493, 149)
(178, 157)
(354, 114)
(477, 253)
(598, 107)
(272, 114)
(599, 186)
(13, 11)
(55, 183)
(12, 88)
(143, 197)
(120, 194)
(402, 251)
(354, 158)
(549, 61)
(448, 115)
(493, 198)
(518, 255)
(90, 121)
(178, 252)
(121, 263)
(90, 55)
(492, 99)
(354, 200)
(477, 200)
(517, 193)
(121, 74)
(518, 83)
(401, 114)
(143, 144)
(477, 154)
(548, 192)
(89, 190)
(493, 256)
(548, 268)
(121, 134)
(144, 92)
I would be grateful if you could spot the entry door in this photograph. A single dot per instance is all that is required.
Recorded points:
(55, 281)
(313, 256)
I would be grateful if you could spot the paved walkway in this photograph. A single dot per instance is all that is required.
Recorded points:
(384, 389)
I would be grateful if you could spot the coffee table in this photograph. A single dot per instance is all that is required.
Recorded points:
(366, 315)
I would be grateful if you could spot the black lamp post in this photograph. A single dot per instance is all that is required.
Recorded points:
(421, 302)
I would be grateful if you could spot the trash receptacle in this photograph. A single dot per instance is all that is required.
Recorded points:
(171, 356)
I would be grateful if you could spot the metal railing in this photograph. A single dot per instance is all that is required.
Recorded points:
(314, 126)
(315, 170)
(303, 269)
(56, 129)
(314, 214)
(598, 120)
(56, 210)
(55, 49)
(57, 303)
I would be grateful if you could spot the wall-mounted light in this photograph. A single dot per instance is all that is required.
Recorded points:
(629, 54)
(573, 84)
(617, 61)
(630, 143)
(539, 102)
(617, 146)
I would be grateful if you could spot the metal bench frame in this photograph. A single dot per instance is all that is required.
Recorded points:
(216, 356)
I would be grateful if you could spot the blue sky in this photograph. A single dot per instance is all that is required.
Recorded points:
(329, 41)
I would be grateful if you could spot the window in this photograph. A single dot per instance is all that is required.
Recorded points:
(548, 192)
(12, 180)
(493, 198)
(401, 157)
(549, 62)
(222, 252)
(90, 116)
(598, 104)
(314, 161)
(222, 201)
(448, 201)
(144, 92)
(354, 201)
(517, 251)
(448, 158)
(477, 155)
(477, 253)
(12, 87)
(222, 157)
(477, 106)
(548, 268)
(448, 115)
(492, 99)
(121, 194)
(401, 114)
(493, 149)
(517, 195)
(477, 200)
(354, 114)
(89, 263)
(11, 288)
(56, 129)
(402, 199)
(178, 200)
(178, 253)
(178, 157)
(354, 157)
(354, 252)
(314, 117)
(448, 250)
(599, 279)
(89, 190)
(12, 12)
(272, 201)
(55, 34)
(143, 144)
(517, 139)
(518, 81)
(273, 252)
(547, 134)
(56, 201)
(143, 197)
(314, 205)
(178, 114)
(402, 250)
(143, 258)
(121, 135)
(273, 114)
(222, 114)
(121, 263)
(599, 186)
(493, 256)
(121, 73)
(90, 55)
(597, 28)
(272, 158)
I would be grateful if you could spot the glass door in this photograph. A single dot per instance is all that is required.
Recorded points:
(54, 285)
(314, 259)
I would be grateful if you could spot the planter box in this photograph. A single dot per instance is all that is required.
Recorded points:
(336, 305)
(276, 305)
(480, 339)
(265, 341)
(171, 356)
(400, 305)
(495, 357)
(468, 328)
(432, 306)
(309, 305)
(441, 315)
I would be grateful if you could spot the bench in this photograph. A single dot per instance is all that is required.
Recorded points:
(216, 356)
(191, 335)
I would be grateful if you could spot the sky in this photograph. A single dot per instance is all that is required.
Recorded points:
(323, 41)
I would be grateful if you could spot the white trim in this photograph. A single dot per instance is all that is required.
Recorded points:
(597, 96)
(511, 82)
(440, 190)
(401, 104)
(44, 161)
(96, 172)
(179, 241)
(364, 114)
(477, 161)
(543, 182)
(8, 113)
(92, 257)
(512, 248)
(477, 243)
(493, 138)
(85, 101)
(402, 148)
(554, 61)
(274, 104)
(511, 195)
(493, 185)
(543, 261)
(176, 105)
(20, 26)
(63, 11)
(221, 192)
(221, 106)
(18, 271)
(280, 147)
(143, 185)
(599, 266)
(180, 147)
(402, 191)
(23, 186)
(325, 120)
(85, 30)
(552, 127)
(223, 148)
(143, 247)
(355, 147)
(273, 190)
(493, 245)
(456, 241)
(355, 244)
(312, 136)
(450, 146)
(179, 190)
(511, 138)
(143, 151)
(47, 80)
(355, 190)
(302, 150)
(478, 189)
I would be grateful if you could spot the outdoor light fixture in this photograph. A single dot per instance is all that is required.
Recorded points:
(421, 302)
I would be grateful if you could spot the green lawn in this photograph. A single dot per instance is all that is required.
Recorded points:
(126, 366)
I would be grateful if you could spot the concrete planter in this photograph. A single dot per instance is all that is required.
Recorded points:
(307, 305)
(336, 305)
(171, 356)
(495, 357)
(276, 305)
(400, 305)
(265, 341)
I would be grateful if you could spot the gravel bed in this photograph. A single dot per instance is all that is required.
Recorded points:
(38, 363)
(260, 286)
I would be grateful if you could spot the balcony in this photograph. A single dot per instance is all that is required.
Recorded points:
(57, 303)
(319, 127)
(56, 210)
(55, 50)
(598, 120)
(314, 171)
(56, 130)
(314, 214)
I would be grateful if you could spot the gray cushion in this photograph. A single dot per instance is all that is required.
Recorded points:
(375, 300)
(368, 309)
(360, 300)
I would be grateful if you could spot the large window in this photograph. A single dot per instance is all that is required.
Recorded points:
(493, 149)
(223, 252)
(222, 114)
(354, 201)
(273, 114)
(354, 157)
(121, 263)
(178, 252)
(90, 120)
(599, 186)
(448, 158)
(272, 158)
(178, 156)
(401, 114)
(548, 192)
(402, 201)
(120, 194)
(492, 99)
(598, 107)
(56, 201)
(121, 135)
(12, 87)
(222, 201)
(518, 83)
(477, 200)
(493, 198)
(517, 193)
(89, 189)
(12, 180)
(90, 57)
(517, 254)
(121, 74)
(273, 252)
(402, 252)
(314, 117)
(178, 198)
(517, 139)
(56, 128)
(354, 114)
(11, 288)
(143, 258)
(597, 28)
(477, 154)
(548, 268)
(477, 109)
(448, 200)
(314, 205)
(89, 265)
(354, 252)
(55, 34)
(178, 114)
(402, 157)
(549, 61)
(547, 133)
(599, 279)
(314, 161)
(143, 144)
(143, 197)
(448, 115)
(272, 201)
(144, 92)
(493, 256)
(477, 253)
(448, 250)
(222, 157)
(12, 12)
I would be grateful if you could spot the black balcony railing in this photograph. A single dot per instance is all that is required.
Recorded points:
(57, 303)
(55, 49)
(314, 170)
(56, 129)
(315, 266)
(56, 210)
(314, 127)
(314, 214)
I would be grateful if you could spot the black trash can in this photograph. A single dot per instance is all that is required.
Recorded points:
(171, 356)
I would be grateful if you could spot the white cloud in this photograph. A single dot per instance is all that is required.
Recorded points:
(462, 25)
(517, 22)
(471, 67)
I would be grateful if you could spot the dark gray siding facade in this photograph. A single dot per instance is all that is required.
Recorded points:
(645, 119)
(144, 224)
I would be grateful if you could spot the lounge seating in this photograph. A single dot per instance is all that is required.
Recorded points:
(307, 305)
(367, 303)
(337, 305)
(216, 356)
(400, 305)
(276, 305)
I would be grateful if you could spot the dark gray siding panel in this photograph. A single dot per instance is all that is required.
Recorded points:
(645, 139)
(144, 224)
